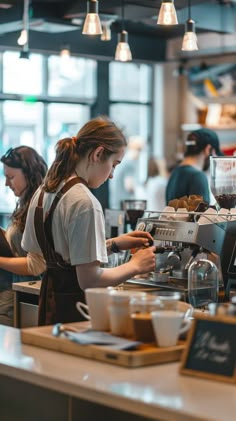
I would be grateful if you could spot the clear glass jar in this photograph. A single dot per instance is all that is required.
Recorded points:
(223, 180)
(203, 283)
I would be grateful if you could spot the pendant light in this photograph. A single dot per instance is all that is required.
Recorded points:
(92, 24)
(23, 38)
(106, 30)
(123, 52)
(65, 53)
(190, 37)
(167, 14)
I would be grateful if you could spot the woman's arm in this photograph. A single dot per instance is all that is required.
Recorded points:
(32, 264)
(17, 265)
(91, 275)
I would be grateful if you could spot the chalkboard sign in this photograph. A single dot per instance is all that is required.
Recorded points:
(211, 349)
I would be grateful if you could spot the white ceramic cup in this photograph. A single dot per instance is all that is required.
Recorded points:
(119, 312)
(167, 326)
(96, 309)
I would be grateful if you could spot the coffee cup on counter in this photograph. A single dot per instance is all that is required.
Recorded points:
(140, 311)
(119, 311)
(168, 326)
(96, 309)
(169, 299)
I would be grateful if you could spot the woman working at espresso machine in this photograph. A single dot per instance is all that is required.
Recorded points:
(65, 223)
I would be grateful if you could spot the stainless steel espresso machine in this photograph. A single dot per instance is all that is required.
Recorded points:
(179, 242)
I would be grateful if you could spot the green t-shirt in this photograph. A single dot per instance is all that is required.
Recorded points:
(186, 180)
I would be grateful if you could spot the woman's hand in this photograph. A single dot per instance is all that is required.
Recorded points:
(144, 260)
(133, 239)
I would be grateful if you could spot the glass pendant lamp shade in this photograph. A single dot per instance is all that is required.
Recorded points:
(106, 31)
(92, 24)
(167, 14)
(190, 37)
(123, 52)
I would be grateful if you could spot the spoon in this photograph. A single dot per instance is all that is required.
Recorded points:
(59, 328)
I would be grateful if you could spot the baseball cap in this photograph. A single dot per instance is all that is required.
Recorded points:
(199, 139)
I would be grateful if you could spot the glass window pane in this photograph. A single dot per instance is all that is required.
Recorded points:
(134, 119)
(72, 76)
(22, 125)
(130, 81)
(64, 120)
(22, 76)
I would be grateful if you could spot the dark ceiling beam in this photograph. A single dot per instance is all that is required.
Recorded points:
(143, 48)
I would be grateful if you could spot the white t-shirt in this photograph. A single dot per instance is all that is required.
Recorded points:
(78, 226)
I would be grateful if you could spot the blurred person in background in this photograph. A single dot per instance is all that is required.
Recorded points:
(24, 171)
(154, 188)
(189, 177)
(126, 178)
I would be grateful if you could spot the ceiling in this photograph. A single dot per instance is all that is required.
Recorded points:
(54, 23)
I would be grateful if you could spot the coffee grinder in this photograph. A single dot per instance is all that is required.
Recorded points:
(134, 209)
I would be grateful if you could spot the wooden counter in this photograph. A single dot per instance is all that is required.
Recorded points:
(37, 385)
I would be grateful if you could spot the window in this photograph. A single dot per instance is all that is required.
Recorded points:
(37, 119)
(64, 120)
(132, 118)
(130, 107)
(23, 125)
(71, 76)
(130, 81)
(22, 76)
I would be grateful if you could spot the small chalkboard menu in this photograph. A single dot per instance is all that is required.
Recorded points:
(211, 349)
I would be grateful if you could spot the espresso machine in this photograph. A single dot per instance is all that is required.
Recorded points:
(179, 242)
(182, 237)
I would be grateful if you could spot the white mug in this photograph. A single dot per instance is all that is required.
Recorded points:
(119, 312)
(96, 309)
(167, 326)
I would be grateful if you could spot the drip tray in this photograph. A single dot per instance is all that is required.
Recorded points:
(172, 283)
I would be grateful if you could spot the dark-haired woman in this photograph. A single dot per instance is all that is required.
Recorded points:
(68, 223)
(24, 170)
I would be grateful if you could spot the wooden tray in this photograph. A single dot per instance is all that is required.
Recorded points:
(145, 354)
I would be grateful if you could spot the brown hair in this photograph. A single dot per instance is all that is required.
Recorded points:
(34, 169)
(97, 132)
(153, 168)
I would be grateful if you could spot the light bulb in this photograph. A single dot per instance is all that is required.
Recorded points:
(23, 38)
(190, 37)
(167, 14)
(65, 53)
(92, 24)
(123, 52)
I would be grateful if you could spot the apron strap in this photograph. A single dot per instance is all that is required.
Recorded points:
(49, 216)
(43, 229)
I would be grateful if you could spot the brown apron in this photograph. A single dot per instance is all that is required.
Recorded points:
(60, 288)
